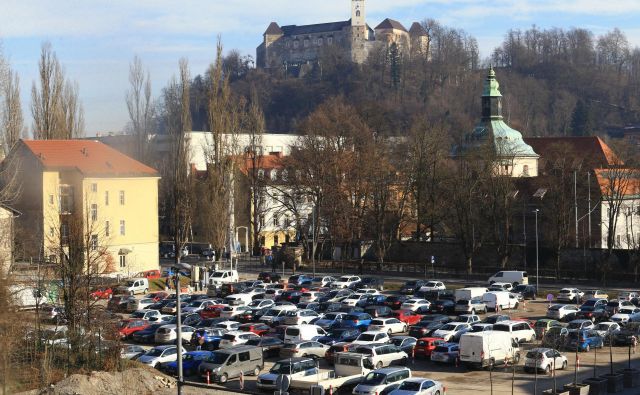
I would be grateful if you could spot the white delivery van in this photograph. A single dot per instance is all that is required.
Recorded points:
(502, 299)
(514, 277)
(482, 349)
(303, 332)
(134, 286)
(469, 293)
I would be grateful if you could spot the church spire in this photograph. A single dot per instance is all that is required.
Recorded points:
(491, 98)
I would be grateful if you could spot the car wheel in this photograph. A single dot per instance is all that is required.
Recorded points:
(223, 379)
(256, 371)
(516, 359)
(547, 370)
(437, 392)
(405, 329)
(404, 361)
(473, 311)
(564, 365)
(379, 365)
(389, 332)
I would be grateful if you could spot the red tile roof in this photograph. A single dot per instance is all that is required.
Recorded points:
(592, 149)
(89, 157)
(619, 181)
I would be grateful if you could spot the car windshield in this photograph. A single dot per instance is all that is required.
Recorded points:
(218, 274)
(218, 358)
(129, 283)
(367, 337)
(520, 288)
(409, 386)
(195, 304)
(281, 368)
(448, 327)
(373, 378)
(534, 354)
(477, 328)
(344, 279)
(602, 327)
(397, 341)
(137, 314)
(154, 352)
(626, 311)
(575, 325)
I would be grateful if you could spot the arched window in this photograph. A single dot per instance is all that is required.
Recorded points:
(525, 170)
(261, 174)
(306, 42)
(358, 13)
(274, 175)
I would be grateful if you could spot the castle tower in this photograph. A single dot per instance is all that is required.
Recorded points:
(359, 31)
(358, 14)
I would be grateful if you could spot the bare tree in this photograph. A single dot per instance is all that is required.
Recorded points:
(55, 106)
(254, 158)
(11, 121)
(140, 107)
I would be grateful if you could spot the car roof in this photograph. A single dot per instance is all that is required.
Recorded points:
(372, 332)
(391, 369)
(164, 347)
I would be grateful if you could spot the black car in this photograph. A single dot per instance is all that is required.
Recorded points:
(595, 314)
(209, 322)
(411, 286)
(527, 291)
(371, 282)
(395, 301)
(231, 289)
(269, 277)
(378, 311)
(338, 335)
(290, 296)
(315, 306)
(270, 345)
(191, 319)
(436, 295)
(147, 335)
(492, 319)
(373, 300)
(627, 333)
(436, 318)
(405, 343)
(350, 309)
(328, 307)
(425, 328)
(446, 306)
(252, 315)
(158, 305)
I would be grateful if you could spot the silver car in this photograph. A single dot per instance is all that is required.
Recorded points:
(473, 306)
(303, 348)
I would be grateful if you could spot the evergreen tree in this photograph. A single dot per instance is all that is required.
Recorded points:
(582, 122)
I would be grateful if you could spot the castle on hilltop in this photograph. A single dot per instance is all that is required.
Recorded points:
(292, 45)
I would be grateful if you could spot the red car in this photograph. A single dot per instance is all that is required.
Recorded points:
(408, 316)
(212, 311)
(258, 329)
(126, 328)
(102, 293)
(425, 345)
(157, 296)
(151, 274)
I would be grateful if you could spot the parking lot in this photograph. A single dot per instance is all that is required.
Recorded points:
(501, 380)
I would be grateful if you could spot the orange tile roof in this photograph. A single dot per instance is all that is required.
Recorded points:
(89, 157)
(266, 162)
(591, 148)
(619, 180)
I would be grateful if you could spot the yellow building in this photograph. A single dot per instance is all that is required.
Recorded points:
(114, 197)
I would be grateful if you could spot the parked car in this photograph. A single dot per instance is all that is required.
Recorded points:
(411, 286)
(407, 316)
(259, 329)
(149, 315)
(394, 302)
(293, 368)
(607, 330)
(543, 325)
(381, 355)
(445, 352)
(299, 317)
(545, 359)
(303, 348)
(168, 334)
(389, 325)
(102, 293)
(158, 355)
(146, 335)
(406, 343)
(425, 328)
(495, 318)
(520, 331)
(190, 363)
(468, 318)
(415, 304)
(131, 351)
(268, 277)
(207, 338)
(514, 277)
(371, 282)
(623, 315)
(357, 320)
(626, 334)
(336, 348)
(432, 286)
(595, 314)
(473, 306)
(615, 305)
(379, 311)
(481, 327)
(501, 287)
(583, 339)
(555, 337)
(270, 345)
(570, 295)
(346, 282)
(339, 335)
(580, 324)
(628, 295)
(442, 306)
(595, 294)
(527, 291)
(231, 363)
(370, 337)
(425, 346)
(236, 338)
(452, 330)
(419, 386)
(126, 328)
(562, 312)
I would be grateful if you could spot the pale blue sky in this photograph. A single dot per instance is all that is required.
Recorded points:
(95, 40)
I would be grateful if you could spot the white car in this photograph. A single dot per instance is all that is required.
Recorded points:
(560, 311)
(415, 304)
(346, 282)
(233, 311)
(570, 295)
(389, 325)
(378, 380)
(606, 329)
(139, 304)
(236, 338)
(299, 317)
(545, 359)
(468, 318)
(228, 325)
(433, 286)
(501, 287)
(160, 354)
(311, 296)
(261, 303)
(322, 281)
(419, 386)
(197, 306)
(149, 315)
(452, 330)
(370, 337)
(255, 292)
(520, 331)
(623, 315)
(272, 293)
(168, 334)
(353, 300)
(626, 295)
(367, 291)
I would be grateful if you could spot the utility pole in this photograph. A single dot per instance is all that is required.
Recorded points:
(589, 212)
(524, 231)
(178, 325)
(575, 202)
(537, 253)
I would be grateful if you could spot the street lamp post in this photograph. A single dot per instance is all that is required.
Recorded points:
(537, 253)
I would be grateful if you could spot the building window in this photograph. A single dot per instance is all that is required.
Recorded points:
(262, 221)
(106, 198)
(275, 240)
(123, 261)
(296, 44)
(66, 199)
(106, 228)
(51, 199)
(94, 242)
(64, 233)
(122, 198)
(261, 174)
(358, 14)
(122, 227)
(94, 187)
(274, 175)
(276, 221)
(320, 41)
(306, 42)
(287, 221)
(329, 40)
(51, 231)
(94, 212)
(617, 240)
(525, 170)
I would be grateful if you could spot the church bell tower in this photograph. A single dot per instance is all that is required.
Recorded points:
(358, 15)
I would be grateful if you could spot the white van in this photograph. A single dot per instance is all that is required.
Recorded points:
(520, 331)
(482, 349)
(303, 332)
(514, 277)
(469, 293)
(135, 286)
(503, 299)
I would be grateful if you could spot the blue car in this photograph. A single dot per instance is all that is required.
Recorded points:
(190, 363)
(147, 335)
(330, 320)
(300, 279)
(211, 338)
(338, 335)
(356, 320)
(583, 339)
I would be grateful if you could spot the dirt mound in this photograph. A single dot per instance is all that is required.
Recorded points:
(133, 381)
